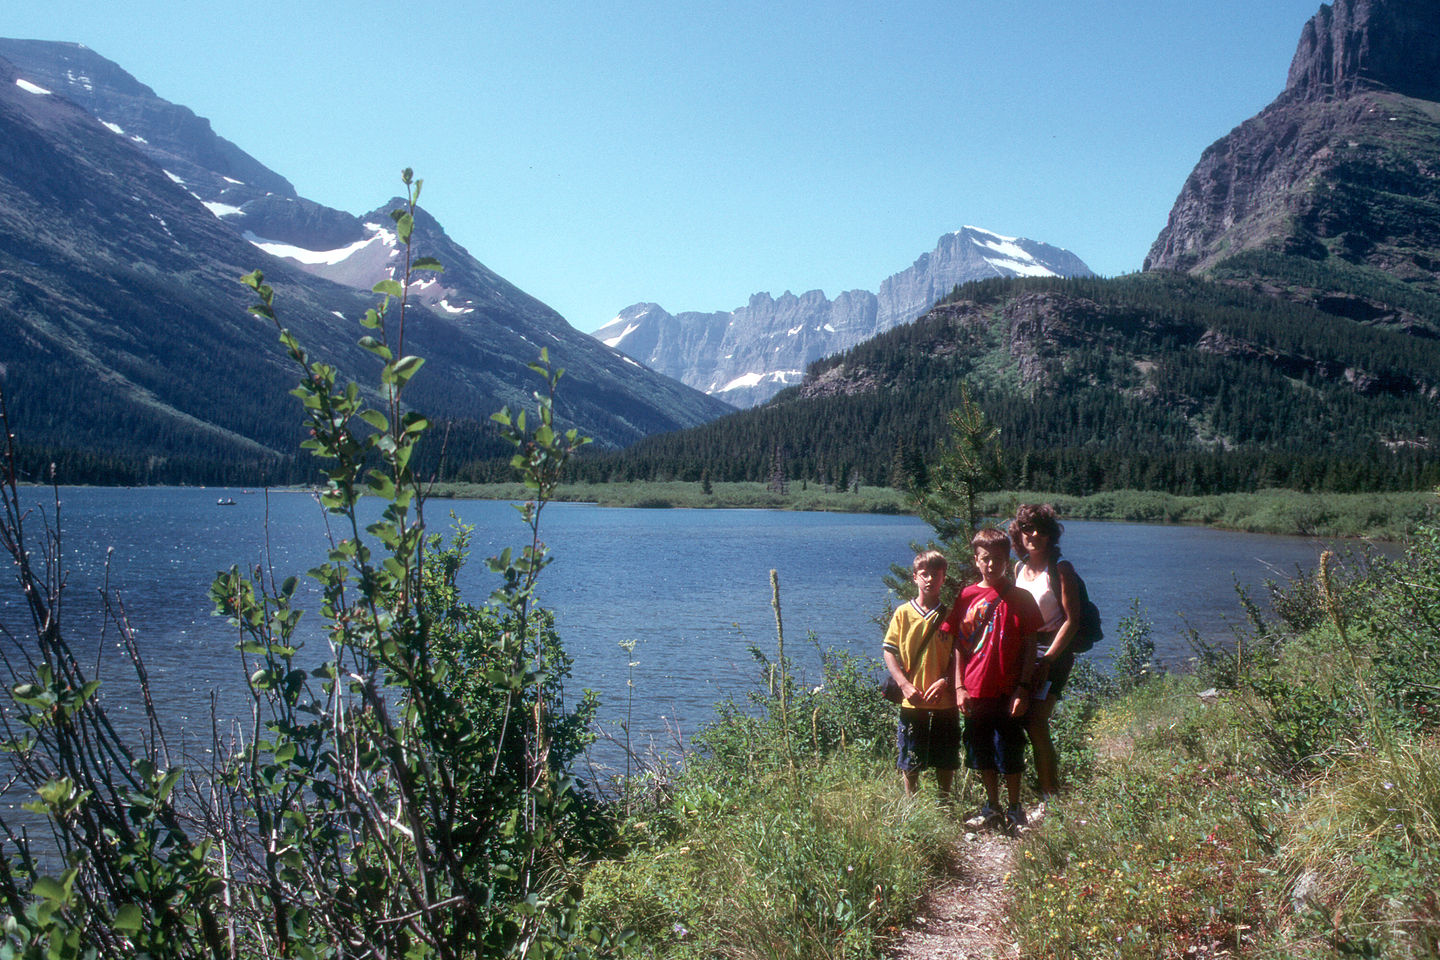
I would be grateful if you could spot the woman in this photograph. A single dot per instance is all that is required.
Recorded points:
(1035, 532)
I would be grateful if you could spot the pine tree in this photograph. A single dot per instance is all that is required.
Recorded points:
(778, 483)
(971, 463)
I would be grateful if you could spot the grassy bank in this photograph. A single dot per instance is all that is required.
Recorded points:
(1383, 516)
(682, 494)
(1281, 801)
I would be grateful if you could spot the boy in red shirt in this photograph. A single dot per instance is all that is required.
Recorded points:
(994, 623)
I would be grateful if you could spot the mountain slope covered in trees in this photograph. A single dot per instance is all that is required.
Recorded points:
(1151, 381)
(1286, 332)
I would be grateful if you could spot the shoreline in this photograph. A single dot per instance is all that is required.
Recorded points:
(1374, 516)
(1383, 516)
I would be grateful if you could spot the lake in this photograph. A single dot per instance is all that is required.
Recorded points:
(690, 587)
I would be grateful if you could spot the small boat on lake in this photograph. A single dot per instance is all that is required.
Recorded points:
(225, 502)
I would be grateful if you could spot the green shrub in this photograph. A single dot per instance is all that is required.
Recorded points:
(405, 796)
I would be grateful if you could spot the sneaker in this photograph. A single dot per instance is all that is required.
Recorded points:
(987, 816)
(1015, 816)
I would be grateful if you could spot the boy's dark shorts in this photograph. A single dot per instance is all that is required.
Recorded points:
(994, 740)
(928, 738)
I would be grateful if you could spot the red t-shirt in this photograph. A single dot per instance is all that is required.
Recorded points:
(989, 664)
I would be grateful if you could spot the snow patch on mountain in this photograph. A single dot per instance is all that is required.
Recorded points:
(80, 80)
(29, 87)
(301, 255)
(616, 340)
(1013, 259)
(223, 209)
(747, 380)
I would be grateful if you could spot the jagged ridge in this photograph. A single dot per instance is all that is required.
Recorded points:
(748, 354)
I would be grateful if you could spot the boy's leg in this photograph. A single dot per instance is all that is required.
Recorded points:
(990, 779)
(1012, 788)
(945, 748)
(910, 748)
(1010, 755)
(980, 738)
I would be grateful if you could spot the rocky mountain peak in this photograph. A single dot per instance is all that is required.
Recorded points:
(748, 354)
(1340, 167)
(1355, 45)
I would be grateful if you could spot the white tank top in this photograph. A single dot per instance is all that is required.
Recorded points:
(1037, 584)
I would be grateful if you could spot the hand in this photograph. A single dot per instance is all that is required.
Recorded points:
(936, 690)
(1019, 702)
(963, 699)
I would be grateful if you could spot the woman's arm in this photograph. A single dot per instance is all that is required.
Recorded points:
(1070, 604)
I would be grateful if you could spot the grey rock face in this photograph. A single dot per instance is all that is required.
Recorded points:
(1312, 173)
(1353, 45)
(747, 355)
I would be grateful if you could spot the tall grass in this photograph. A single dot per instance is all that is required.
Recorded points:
(785, 834)
(1296, 813)
(1383, 516)
(822, 863)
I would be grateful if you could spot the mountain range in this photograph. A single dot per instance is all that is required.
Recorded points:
(1284, 333)
(749, 354)
(125, 223)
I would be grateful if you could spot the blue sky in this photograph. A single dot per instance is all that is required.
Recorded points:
(601, 153)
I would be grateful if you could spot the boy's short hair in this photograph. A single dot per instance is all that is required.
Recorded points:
(991, 540)
(929, 560)
(1041, 518)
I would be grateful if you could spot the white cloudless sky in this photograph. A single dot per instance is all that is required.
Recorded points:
(601, 153)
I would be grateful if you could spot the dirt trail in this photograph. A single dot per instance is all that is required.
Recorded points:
(963, 917)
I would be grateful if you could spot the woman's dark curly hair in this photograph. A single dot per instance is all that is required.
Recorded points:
(1039, 517)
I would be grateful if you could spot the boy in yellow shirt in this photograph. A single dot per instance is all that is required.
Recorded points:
(918, 647)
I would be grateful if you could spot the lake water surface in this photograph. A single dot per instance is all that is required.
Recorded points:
(691, 587)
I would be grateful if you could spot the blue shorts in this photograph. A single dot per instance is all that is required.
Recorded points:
(928, 738)
(994, 740)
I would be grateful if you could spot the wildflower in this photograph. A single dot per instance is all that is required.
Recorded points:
(679, 930)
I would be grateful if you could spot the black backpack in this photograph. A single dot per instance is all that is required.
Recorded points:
(1089, 632)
